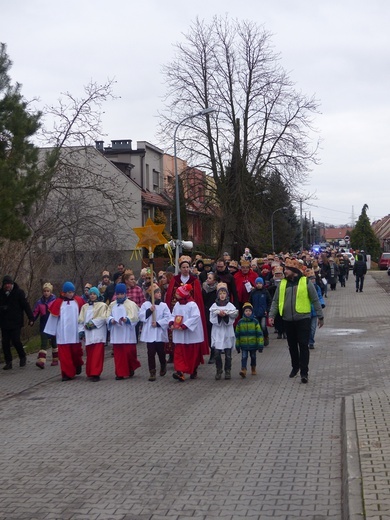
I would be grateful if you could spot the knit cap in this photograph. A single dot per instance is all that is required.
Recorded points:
(247, 305)
(184, 290)
(94, 290)
(7, 279)
(68, 287)
(48, 285)
(120, 288)
(259, 280)
(222, 287)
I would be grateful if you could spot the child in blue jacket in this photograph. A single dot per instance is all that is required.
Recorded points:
(313, 327)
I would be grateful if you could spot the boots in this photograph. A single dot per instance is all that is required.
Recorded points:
(152, 376)
(212, 356)
(54, 357)
(41, 361)
(243, 373)
(228, 374)
(253, 371)
(163, 369)
(218, 375)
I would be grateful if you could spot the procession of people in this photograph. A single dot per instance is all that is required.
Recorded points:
(209, 308)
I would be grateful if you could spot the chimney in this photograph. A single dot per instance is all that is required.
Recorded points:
(121, 144)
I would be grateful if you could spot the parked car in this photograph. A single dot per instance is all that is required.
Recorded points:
(384, 261)
(351, 259)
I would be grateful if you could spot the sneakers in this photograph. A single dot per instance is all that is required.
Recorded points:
(293, 372)
(304, 379)
(179, 376)
(243, 373)
(228, 374)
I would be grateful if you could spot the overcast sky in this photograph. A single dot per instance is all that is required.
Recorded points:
(336, 50)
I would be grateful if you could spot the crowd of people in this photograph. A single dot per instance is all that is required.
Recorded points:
(208, 308)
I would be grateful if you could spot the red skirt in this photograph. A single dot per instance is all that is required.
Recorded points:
(70, 356)
(187, 357)
(95, 359)
(125, 359)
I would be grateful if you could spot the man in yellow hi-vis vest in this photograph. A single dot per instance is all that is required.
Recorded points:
(292, 300)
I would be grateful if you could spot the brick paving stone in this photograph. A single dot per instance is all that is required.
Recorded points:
(266, 447)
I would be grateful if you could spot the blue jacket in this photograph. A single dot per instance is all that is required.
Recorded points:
(261, 302)
(320, 297)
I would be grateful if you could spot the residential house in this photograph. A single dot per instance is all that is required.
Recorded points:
(381, 229)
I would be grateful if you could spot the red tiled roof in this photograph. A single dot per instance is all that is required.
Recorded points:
(154, 199)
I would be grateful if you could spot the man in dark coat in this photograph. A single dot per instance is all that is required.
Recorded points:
(359, 270)
(13, 305)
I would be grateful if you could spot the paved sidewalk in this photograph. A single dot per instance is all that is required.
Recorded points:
(266, 447)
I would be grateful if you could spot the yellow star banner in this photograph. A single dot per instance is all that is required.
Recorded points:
(150, 235)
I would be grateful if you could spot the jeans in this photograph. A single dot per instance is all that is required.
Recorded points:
(298, 336)
(218, 359)
(359, 283)
(244, 358)
(263, 324)
(313, 328)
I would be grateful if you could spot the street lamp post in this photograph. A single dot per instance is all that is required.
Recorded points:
(272, 226)
(203, 112)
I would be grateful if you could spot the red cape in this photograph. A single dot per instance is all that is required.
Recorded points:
(56, 305)
(196, 293)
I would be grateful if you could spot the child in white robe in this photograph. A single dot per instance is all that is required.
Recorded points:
(155, 318)
(93, 329)
(222, 316)
(121, 322)
(63, 324)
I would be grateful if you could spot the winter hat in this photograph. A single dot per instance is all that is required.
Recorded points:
(245, 263)
(120, 288)
(222, 287)
(184, 290)
(247, 305)
(153, 287)
(68, 286)
(7, 279)
(259, 280)
(94, 290)
(47, 285)
(207, 261)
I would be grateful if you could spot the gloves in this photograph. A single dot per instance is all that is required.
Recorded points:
(323, 305)
(260, 350)
(183, 327)
(81, 335)
(90, 325)
(238, 350)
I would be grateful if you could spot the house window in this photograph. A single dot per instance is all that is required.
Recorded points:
(156, 180)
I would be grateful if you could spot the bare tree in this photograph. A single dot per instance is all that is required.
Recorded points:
(261, 126)
(85, 208)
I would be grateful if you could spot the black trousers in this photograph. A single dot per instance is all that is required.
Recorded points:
(298, 336)
(155, 347)
(8, 337)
